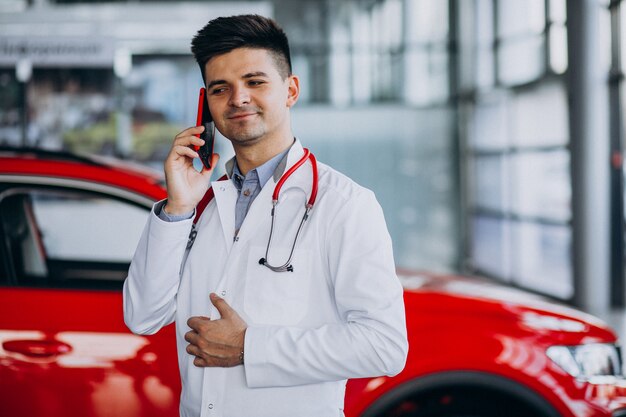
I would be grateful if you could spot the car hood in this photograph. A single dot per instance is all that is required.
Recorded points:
(478, 296)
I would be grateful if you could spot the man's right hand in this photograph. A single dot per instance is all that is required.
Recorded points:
(185, 185)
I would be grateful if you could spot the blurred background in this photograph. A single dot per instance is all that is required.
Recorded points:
(490, 130)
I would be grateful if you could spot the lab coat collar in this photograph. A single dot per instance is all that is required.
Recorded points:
(226, 195)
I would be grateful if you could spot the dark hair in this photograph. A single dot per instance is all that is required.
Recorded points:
(223, 34)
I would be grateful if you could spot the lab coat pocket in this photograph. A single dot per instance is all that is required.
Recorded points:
(277, 297)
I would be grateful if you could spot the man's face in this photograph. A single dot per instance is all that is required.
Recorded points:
(248, 99)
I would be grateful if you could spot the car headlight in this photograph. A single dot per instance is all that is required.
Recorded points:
(588, 361)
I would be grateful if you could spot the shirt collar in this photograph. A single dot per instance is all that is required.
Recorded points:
(263, 172)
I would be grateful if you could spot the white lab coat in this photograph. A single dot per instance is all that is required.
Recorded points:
(338, 315)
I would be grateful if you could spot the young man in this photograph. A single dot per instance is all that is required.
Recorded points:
(256, 340)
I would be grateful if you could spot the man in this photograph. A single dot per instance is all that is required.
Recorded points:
(253, 341)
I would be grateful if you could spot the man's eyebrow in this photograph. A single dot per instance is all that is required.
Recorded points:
(255, 74)
(248, 75)
(215, 82)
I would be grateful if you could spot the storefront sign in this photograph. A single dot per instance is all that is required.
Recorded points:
(57, 51)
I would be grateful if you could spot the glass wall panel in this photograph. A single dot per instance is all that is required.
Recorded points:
(393, 27)
(417, 88)
(542, 185)
(485, 68)
(517, 18)
(404, 156)
(340, 66)
(604, 39)
(541, 258)
(490, 124)
(429, 20)
(558, 11)
(540, 116)
(520, 60)
(484, 22)
(300, 66)
(518, 166)
(490, 246)
(490, 183)
(558, 49)
(439, 78)
(483, 44)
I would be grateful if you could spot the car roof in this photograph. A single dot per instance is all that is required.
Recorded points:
(25, 161)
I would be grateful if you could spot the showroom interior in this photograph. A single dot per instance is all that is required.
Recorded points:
(491, 131)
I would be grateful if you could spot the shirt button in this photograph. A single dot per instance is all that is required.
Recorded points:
(223, 293)
(210, 406)
(246, 192)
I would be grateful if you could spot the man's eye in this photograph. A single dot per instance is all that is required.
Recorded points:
(217, 90)
(255, 82)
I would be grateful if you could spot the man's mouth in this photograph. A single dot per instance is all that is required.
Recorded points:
(240, 116)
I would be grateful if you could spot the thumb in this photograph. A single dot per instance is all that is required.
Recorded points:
(222, 306)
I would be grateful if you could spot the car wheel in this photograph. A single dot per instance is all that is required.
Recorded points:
(460, 403)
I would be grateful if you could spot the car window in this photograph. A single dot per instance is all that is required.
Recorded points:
(67, 238)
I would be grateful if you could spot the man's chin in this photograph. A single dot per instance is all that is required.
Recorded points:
(244, 140)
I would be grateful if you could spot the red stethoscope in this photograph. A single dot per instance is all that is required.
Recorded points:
(309, 205)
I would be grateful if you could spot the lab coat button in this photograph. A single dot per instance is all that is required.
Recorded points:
(223, 293)
(210, 407)
(222, 188)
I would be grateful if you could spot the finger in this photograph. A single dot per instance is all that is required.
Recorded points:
(184, 151)
(221, 305)
(188, 141)
(199, 362)
(193, 350)
(191, 337)
(198, 322)
(195, 130)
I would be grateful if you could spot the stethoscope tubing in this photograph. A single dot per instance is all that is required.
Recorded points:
(309, 205)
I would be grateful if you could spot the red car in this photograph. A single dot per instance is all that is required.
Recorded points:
(69, 226)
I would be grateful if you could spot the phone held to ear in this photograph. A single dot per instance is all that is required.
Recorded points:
(208, 135)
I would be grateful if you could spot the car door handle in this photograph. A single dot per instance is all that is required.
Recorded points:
(37, 348)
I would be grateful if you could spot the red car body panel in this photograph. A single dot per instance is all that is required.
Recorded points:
(67, 352)
(480, 331)
(107, 371)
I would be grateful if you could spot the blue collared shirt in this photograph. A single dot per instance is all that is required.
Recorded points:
(250, 186)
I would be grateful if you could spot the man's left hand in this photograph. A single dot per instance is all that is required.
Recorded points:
(217, 342)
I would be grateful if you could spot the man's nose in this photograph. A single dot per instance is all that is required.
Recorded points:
(239, 97)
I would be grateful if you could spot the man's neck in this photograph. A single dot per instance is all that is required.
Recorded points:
(250, 157)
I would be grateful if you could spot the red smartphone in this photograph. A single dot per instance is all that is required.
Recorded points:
(208, 135)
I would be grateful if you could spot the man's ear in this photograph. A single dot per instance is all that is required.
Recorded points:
(293, 91)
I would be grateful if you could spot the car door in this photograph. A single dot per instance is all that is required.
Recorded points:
(64, 349)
